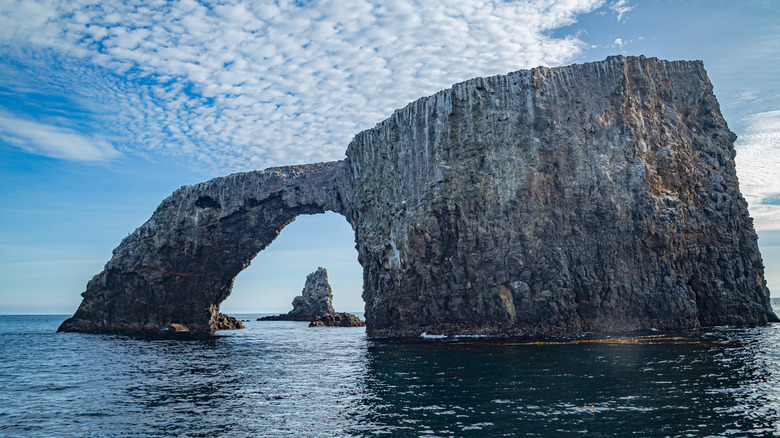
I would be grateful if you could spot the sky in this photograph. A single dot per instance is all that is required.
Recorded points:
(108, 106)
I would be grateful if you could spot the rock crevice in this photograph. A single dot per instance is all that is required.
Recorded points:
(546, 202)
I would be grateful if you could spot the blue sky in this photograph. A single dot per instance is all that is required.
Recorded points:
(107, 107)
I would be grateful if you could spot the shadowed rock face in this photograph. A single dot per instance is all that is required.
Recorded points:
(589, 198)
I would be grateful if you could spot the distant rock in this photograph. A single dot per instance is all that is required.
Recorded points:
(315, 304)
(340, 319)
(315, 300)
(226, 322)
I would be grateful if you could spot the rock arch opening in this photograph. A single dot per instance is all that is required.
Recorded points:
(277, 274)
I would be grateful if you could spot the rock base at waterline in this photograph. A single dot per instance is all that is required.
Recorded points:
(338, 320)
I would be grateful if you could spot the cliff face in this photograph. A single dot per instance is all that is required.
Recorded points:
(552, 201)
(587, 198)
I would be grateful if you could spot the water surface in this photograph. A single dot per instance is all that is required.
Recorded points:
(278, 379)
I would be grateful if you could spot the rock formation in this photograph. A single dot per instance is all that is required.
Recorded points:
(226, 322)
(340, 319)
(180, 265)
(546, 202)
(315, 304)
(315, 300)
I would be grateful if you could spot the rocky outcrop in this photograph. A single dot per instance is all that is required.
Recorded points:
(225, 322)
(315, 304)
(340, 319)
(546, 202)
(557, 201)
(315, 300)
(180, 265)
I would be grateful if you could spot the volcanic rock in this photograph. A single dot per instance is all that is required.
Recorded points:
(315, 300)
(340, 319)
(180, 265)
(547, 202)
(226, 322)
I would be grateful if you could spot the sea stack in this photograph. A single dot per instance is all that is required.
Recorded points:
(315, 300)
(591, 198)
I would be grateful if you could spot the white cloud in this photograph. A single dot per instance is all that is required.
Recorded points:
(758, 168)
(23, 18)
(620, 7)
(243, 85)
(618, 42)
(53, 141)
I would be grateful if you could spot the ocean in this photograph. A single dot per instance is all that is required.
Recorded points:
(283, 379)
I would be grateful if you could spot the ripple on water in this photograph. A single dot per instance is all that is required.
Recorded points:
(284, 379)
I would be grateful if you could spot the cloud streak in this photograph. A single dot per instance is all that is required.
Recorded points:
(621, 8)
(243, 85)
(53, 141)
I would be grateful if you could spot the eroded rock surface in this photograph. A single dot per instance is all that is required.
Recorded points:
(546, 202)
(226, 322)
(556, 201)
(315, 300)
(180, 265)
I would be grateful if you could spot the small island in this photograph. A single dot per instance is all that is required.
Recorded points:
(315, 304)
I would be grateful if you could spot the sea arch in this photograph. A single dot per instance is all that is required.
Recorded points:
(597, 198)
(179, 266)
(278, 273)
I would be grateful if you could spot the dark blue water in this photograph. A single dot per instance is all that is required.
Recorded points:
(280, 379)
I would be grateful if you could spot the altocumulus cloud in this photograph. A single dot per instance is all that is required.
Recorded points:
(758, 161)
(244, 84)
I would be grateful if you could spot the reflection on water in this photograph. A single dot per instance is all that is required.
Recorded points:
(702, 384)
(284, 379)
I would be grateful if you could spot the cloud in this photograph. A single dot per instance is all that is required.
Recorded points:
(53, 141)
(22, 18)
(617, 43)
(621, 8)
(242, 85)
(758, 168)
